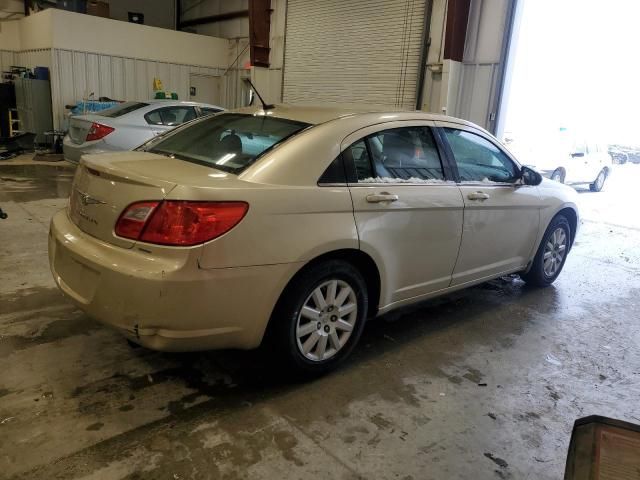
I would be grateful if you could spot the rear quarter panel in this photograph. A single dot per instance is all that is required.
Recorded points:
(284, 224)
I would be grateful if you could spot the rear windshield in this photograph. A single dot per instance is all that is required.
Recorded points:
(228, 141)
(122, 109)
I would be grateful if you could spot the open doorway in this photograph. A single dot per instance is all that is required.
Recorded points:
(572, 101)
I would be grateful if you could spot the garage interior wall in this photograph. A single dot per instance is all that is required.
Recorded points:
(361, 51)
(78, 74)
(236, 30)
(469, 87)
(116, 59)
(157, 13)
(7, 58)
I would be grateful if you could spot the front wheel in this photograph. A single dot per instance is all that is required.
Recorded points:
(551, 255)
(320, 318)
(599, 183)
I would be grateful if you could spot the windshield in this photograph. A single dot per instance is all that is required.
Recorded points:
(228, 141)
(121, 109)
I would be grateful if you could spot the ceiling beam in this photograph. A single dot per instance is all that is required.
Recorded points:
(221, 17)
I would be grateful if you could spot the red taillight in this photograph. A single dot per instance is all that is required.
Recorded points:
(180, 223)
(134, 218)
(98, 131)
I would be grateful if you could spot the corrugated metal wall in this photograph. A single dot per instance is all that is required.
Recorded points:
(75, 75)
(35, 58)
(359, 51)
(7, 58)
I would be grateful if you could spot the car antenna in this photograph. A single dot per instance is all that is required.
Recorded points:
(265, 106)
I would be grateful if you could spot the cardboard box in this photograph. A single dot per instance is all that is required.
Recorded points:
(98, 8)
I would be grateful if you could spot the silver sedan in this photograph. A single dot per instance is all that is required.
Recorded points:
(128, 125)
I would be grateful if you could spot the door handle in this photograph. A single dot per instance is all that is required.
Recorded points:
(382, 197)
(478, 196)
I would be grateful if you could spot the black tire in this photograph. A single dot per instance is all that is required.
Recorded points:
(282, 342)
(558, 175)
(598, 184)
(536, 275)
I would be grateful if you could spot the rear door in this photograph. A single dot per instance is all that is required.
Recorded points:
(597, 157)
(501, 216)
(408, 216)
(578, 165)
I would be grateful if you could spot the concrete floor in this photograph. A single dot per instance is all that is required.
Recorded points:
(482, 384)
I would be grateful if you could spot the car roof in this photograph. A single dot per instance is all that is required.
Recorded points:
(157, 101)
(314, 114)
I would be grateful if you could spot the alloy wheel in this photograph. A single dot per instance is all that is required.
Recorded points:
(326, 320)
(600, 181)
(554, 252)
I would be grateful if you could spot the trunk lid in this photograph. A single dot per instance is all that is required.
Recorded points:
(79, 126)
(104, 185)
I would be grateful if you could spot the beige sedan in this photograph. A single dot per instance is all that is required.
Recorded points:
(293, 225)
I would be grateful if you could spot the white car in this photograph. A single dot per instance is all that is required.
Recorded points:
(128, 125)
(588, 163)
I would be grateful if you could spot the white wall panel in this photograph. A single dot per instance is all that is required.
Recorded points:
(118, 77)
(75, 75)
(7, 58)
(105, 85)
(93, 76)
(34, 58)
(360, 51)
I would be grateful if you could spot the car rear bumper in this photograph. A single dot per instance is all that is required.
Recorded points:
(164, 302)
(74, 151)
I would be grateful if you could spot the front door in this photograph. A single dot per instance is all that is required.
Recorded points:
(408, 216)
(501, 216)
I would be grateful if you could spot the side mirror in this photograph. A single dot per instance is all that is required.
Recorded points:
(577, 154)
(530, 176)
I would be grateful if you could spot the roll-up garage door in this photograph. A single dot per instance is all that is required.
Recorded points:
(353, 51)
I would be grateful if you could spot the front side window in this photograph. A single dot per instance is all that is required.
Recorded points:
(170, 116)
(478, 159)
(229, 142)
(397, 155)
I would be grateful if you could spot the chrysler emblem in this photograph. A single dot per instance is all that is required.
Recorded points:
(87, 199)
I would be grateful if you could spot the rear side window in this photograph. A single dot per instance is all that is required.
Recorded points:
(358, 155)
(229, 142)
(122, 109)
(397, 155)
(208, 111)
(170, 116)
(478, 159)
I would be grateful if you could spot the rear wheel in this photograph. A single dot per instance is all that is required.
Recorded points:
(320, 318)
(551, 254)
(599, 183)
(558, 176)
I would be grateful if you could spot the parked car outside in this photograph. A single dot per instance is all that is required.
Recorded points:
(625, 153)
(584, 163)
(127, 125)
(292, 226)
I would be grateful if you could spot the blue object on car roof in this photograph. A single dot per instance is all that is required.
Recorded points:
(91, 106)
